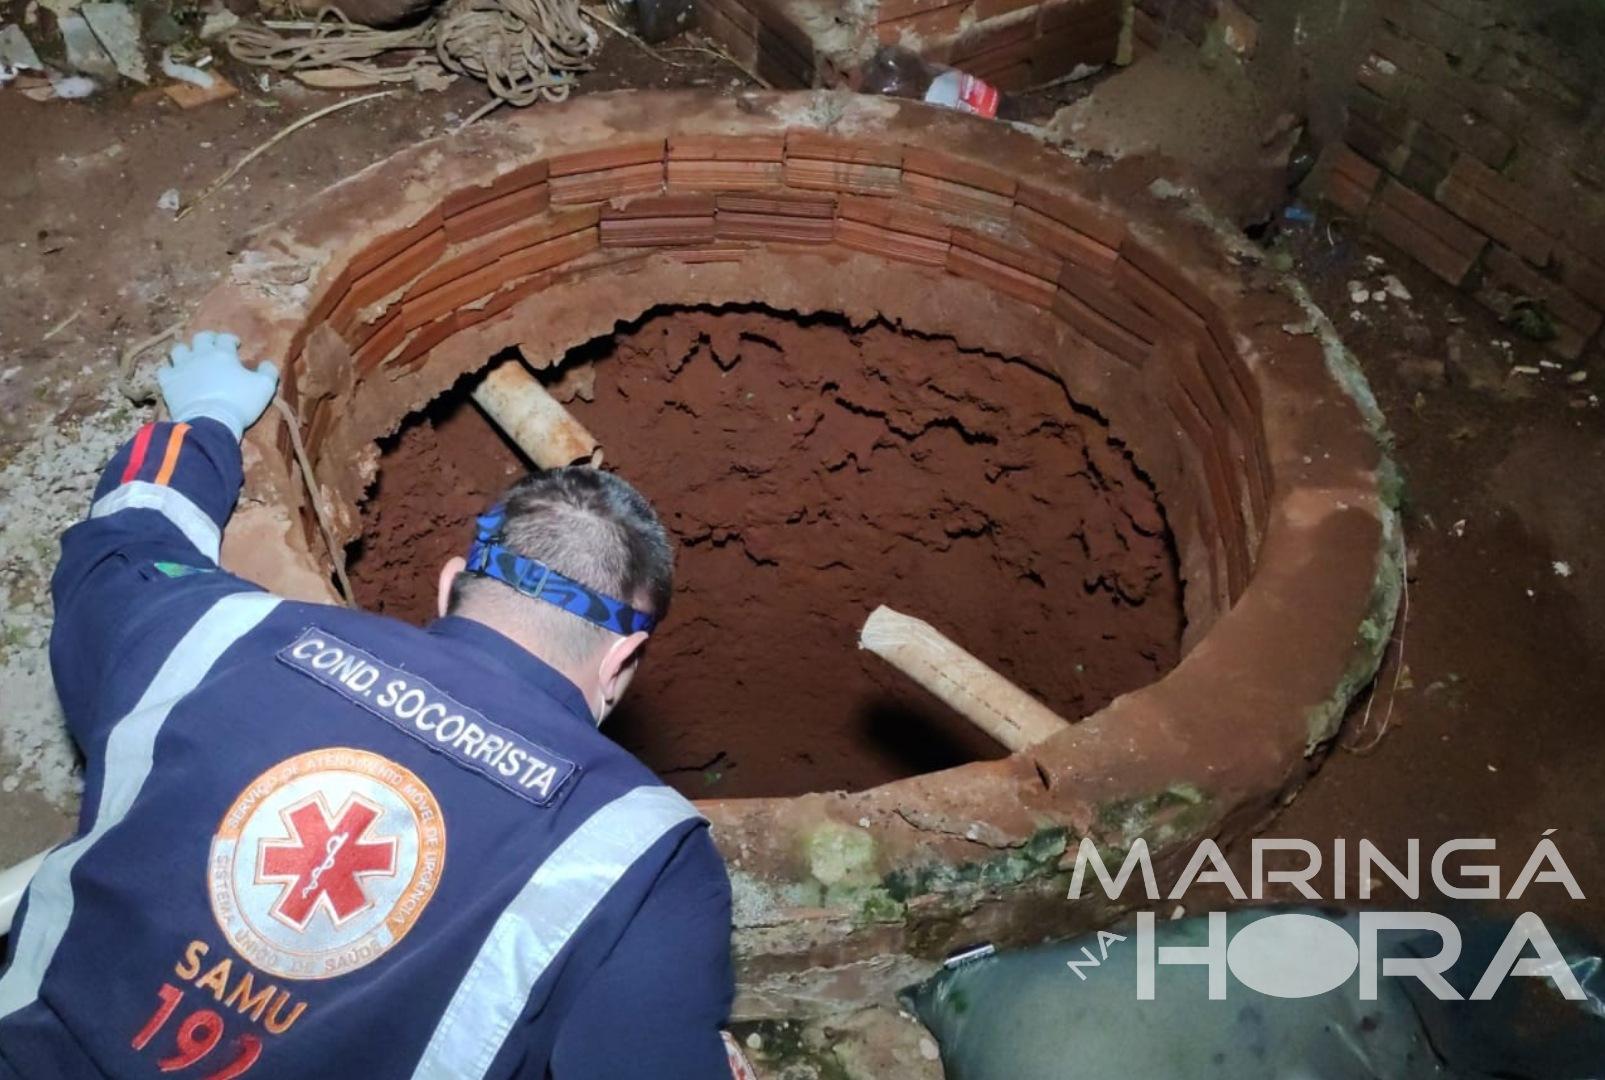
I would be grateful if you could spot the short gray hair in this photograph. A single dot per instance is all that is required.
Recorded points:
(588, 525)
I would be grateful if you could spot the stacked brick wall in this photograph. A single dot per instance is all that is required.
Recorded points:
(1478, 148)
(1011, 43)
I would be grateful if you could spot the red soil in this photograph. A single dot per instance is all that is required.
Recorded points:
(812, 470)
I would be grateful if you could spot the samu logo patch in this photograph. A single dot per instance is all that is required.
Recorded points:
(325, 862)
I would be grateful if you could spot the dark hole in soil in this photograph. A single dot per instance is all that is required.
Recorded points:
(811, 470)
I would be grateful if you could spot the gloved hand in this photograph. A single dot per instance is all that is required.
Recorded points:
(206, 378)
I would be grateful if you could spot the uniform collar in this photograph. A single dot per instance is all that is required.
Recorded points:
(517, 660)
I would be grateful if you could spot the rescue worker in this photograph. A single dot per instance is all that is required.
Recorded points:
(320, 843)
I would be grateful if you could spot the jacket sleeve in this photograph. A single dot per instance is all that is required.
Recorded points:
(143, 565)
(655, 1006)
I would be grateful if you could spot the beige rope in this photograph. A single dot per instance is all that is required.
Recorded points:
(524, 50)
(315, 497)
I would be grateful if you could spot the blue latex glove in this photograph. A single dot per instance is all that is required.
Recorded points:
(206, 378)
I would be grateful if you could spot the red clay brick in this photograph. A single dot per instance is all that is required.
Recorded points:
(1072, 214)
(608, 157)
(389, 335)
(1506, 277)
(550, 254)
(1428, 233)
(1098, 294)
(429, 306)
(1024, 258)
(662, 206)
(1488, 201)
(1001, 277)
(1346, 195)
(1346, 161)
(984, 37)
(781, 66)
(1007, 68)
(1090, 15)
(891, 10)
(958, 170)
(726, 148)
(822, 175)
(926, 27)
(991, 9)
(1584, 276)
(330, 297)
(733, 253)
(894, 216)
(802, 143)
(393, 244)
(1067, 243)
(425, 340)
(1209, 457)
(1172, 279)
(506, 242)
(513, 180)
(1099, 330)
(497, 213)
(783, 203)
(961, 200)
(387, 278)
(656, 232)
(735, 225)
(1059, 52)
(784, 30)
(607, 183)
(724, 175)
(904, 246)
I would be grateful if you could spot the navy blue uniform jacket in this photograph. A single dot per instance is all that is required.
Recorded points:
(319, 843)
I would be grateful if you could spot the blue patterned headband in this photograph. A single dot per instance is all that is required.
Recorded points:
(487, 558)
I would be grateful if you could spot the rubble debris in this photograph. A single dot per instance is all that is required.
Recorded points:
(85, 53)
(190, 96)
(116, 27)
(16, 52)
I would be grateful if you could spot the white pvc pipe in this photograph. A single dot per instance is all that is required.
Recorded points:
(533, 419)
(13, 883)
(977, 692)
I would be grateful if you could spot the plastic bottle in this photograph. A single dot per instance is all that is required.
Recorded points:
(900, 72)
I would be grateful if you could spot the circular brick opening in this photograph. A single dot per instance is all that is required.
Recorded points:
(1257, 433)
(812, 469)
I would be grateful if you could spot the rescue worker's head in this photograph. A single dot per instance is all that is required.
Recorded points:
(574, 565)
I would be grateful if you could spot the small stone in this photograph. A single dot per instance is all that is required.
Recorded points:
(755, 1041)
(1578, 376)
(928, 1049)
(1561, 568)
(1378, 296)
(218, 23)
(168, 201)
(1395, 288)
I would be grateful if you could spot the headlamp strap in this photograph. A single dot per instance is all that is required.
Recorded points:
(489, 559)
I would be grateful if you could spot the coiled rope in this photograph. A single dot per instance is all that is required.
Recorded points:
(524, 50)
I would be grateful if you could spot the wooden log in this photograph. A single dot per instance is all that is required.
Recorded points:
(533, 420)
(979, 694)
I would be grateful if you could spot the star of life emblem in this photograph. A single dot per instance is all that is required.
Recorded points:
(325, 861)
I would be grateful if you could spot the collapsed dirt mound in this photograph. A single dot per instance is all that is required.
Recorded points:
(812, 470)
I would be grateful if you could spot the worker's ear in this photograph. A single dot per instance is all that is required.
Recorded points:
(448, 574)
(617, 669)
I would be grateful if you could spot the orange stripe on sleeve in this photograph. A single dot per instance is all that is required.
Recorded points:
(175, 442)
